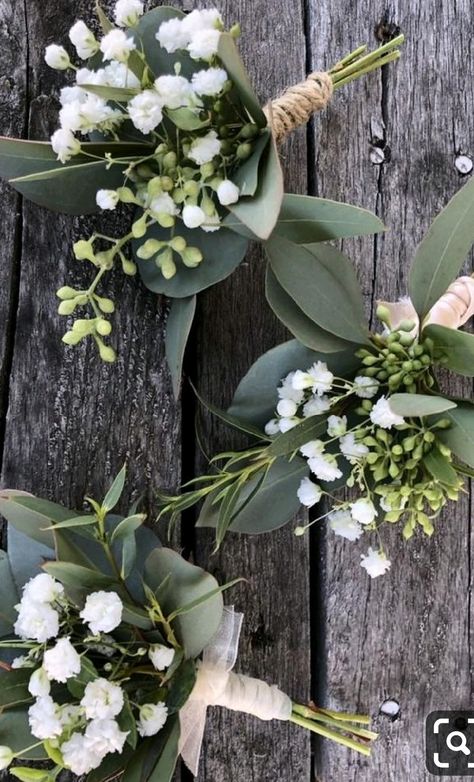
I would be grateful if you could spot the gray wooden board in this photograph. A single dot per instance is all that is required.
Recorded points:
(71, 422)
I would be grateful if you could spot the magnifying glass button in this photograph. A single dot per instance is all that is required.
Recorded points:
(461, 742)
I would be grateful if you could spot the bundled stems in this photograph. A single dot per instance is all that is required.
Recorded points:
(357, 63)
(339, 727)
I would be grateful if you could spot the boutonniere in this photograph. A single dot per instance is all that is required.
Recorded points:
(112, 647)
(162, 122)
(343, 406)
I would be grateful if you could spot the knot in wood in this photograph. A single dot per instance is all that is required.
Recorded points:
(297, 104)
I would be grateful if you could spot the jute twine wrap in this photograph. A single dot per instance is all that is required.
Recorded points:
(298, 103)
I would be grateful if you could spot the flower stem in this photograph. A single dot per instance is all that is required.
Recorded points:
(342, 728)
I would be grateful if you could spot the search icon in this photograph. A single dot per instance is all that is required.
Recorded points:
(457, 747)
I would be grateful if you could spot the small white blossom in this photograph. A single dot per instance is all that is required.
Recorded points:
(77, 757)
(212, 224)
(161, 656)
(107, 199)
(89, 115)
(73, 94)
(375, 563)
(39, 684)
(287, 408)
(163, 205)
(316, 406)
(102, 699)
(309, 493)
(193, 216)
(146, 111)
(44, 718)
(57, 57)
(352, 450)
(382, 414)
(318, 378)
(152, 718)
(287, 391)
(337, 425)
(104, 736)
(202, 19)
(228, 193)
(205, 148)
(272, 427)
(285, 424)
(174, 91)
(84, 40)
(116, 45)
(325, 468)
(209, 81)
(363, 511)
(102, 612)
(128, 12)
(23, 661)
(172, 35)
(6, 757)
(342, 523)
(62, 661)
(313, 448)
(365, 387)
(42, 589)
(37, 621)
(118, 74)
(204, 44)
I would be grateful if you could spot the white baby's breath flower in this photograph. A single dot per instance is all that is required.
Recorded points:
(62, 661)
(116, 45)
(72, 95)
(287, 391)
(382, 414)
(39, 684)
(318, 378)
(375, 563)
(272, 427)
(351, 449)
(211, 224)
(36, 621)
(161, 656)
(118, 74)
(128, 12)
(363, 511)
(44, 718)
(84, 40)
(193, 216)
(309, 493)
(102, 699)
(205, 148)
(23, 661)
(88, 115)
(316, 406)
(209, 81)
(337, 425)
(77, 757)
(163, 204)
(102, 612)
(325, 468)
(146, 111)
(174, 91)
(228, 193)
(173, 35)
(104, 736)
(285, 424)
(42, 589)
(107, 199)
(57, 57)
(312, 448)
(287, 408)
(202, 19)
(152, 718)
(204, 44)
(365, 387)
(342, 523)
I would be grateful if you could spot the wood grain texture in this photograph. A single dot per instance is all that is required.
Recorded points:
(235, 327)
(406, 635)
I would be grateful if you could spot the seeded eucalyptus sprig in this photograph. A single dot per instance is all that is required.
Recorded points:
(343, 407)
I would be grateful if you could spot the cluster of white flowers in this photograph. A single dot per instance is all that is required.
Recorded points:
(86, 731)
(198, 33)
(316, 392)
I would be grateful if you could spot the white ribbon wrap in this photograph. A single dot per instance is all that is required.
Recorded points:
(216, 685)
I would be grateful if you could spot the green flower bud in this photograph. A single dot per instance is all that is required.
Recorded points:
(425, 360)
(105, 260)
(383, 313)
(397, 450)
(397, 349)
(103, 327)
(165, 220)
(443, 423)
(444, 449)
(154, 187)
(223, 131)
(367, 405)
(417, 365)
(162, 149)
(139, 227)
(393, 337)
(178, 243)
(67, 307)
(382, 375)
(207, 205)
(106, 305)
(84, 250)
(218, 106)
(128, 267)
(249, 131)
(72, 338)
(179, 196)
(83, 326)
(407, 366)
(235, 30)
(82, 299)
(369, 361)
(167, 183)
(149, 248)
(106, 353)
(192, 188)
(145, 172)
(393, 470)
(298, 531)
(66, 293)
(244, 151)
(207, 170)
(170, 160)
(370, 371)
(126, 195)
(409, 444)
(408, 380)
(407, 325)
(192, 256)
(429, 437)
(166, 263)
(372, 458)
(406, 339)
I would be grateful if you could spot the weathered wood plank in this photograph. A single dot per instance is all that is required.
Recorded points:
(405, 635)
(235, 327)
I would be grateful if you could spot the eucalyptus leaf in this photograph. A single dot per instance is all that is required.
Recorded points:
(128, 527)
(182, 584)
(31, 515)
(460, 436)
(127, 722)
(104, 21)
(260, 212)
(117, 94)
(115, 492)
(289, 442)
(181, 686)
(230, 57)
(323, 284)
(442, 251)
(178, 328)
(26, 556)
(246, 175)
(8, 596)
(440, 468)
(79, 577)
(158, 59)
(306, 219)
(14, 687)
(452, 348)
(300, 325)
(186, 609)
(272, 506)
(222, 252)
(15, 733)
(187, 119)
(76, 521)
(231, 420)
(419, 405)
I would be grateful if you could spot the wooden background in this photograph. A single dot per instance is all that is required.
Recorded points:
(314, 622)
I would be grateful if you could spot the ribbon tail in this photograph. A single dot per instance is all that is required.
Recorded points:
(192, 719)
